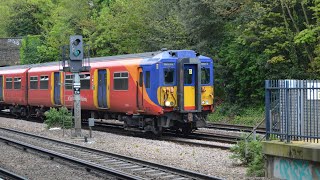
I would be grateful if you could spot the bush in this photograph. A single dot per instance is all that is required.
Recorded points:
(256, 167)
(235, 114)
(253, 158)
(62, 118)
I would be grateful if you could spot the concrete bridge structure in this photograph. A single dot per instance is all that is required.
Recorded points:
(292, 148)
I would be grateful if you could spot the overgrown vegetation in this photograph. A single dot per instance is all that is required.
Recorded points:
(235, 114)
(29, 50)
(250, 41)
(250, 154)
(58, 118)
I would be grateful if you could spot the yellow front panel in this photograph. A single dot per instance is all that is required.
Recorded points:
(167, 94)
(207, 95)
(95, 88)
(52, 88)
(189, 96)
(108, 88)
(61, 87)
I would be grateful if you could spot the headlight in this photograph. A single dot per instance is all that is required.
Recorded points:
(207, 102)
(202, 102)
(167, 103)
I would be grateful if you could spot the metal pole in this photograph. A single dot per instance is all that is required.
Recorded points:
(267, 108)
(77, 104)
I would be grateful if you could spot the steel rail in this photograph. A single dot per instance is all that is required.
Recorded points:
(232, 127)
(195, 135)
(86, 164)
(181, 141)
(192, 174)
(10, 175)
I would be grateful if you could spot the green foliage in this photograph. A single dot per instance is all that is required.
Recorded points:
(58, 118)
(26, 17)
(250, 40)
(4, 17)
(250, 154)
(308, 36)
(256, 167)
(29, 50)
(235, 114)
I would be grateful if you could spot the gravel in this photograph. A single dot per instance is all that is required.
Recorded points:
(33, 166)
(214, 162)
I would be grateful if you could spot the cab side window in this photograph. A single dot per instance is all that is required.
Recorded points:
(147, 79)
(205, 75)
(168, 76)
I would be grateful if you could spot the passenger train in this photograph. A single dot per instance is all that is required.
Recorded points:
(173, 89)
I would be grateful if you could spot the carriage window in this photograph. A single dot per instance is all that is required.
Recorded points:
(8, 83)
(17, 83)
(168, 76)
(147, 79)
(44, 82)
(120, 81)
(85, 81)
(188, 76)
(33, 82)
(68, 81)
(205, 76)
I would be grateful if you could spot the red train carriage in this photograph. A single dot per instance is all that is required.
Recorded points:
(41, 89)
(13, 88)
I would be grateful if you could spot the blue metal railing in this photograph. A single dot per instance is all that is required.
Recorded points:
(292, 110)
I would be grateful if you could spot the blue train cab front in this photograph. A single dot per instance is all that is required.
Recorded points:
(184, 83)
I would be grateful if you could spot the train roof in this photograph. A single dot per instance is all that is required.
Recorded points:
(93, 60)
(13, 71)
(149, 58)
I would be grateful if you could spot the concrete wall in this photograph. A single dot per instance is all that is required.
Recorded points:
(285, 168)
(295, 160)
(9, 51)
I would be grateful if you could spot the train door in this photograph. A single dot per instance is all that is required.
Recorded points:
(140, 89)
(1, 88)
(57, 90)
(102, 88)
(189, 82)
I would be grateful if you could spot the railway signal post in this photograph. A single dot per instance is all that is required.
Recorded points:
(76, 57)
(76, 64)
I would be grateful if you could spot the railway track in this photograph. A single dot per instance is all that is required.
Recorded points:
(114, 165)
(117, 128)
(232, 127)
(174, 137)
(5, 174)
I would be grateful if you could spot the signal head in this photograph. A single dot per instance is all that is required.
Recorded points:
(76, 48)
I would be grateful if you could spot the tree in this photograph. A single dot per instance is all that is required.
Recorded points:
(68, 17)
(26, 17)
(29, 50)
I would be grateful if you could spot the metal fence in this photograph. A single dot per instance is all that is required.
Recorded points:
(293, 110)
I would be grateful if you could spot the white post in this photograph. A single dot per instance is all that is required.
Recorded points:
(77, 104)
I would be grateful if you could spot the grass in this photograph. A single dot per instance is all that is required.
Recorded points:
(233, 114)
